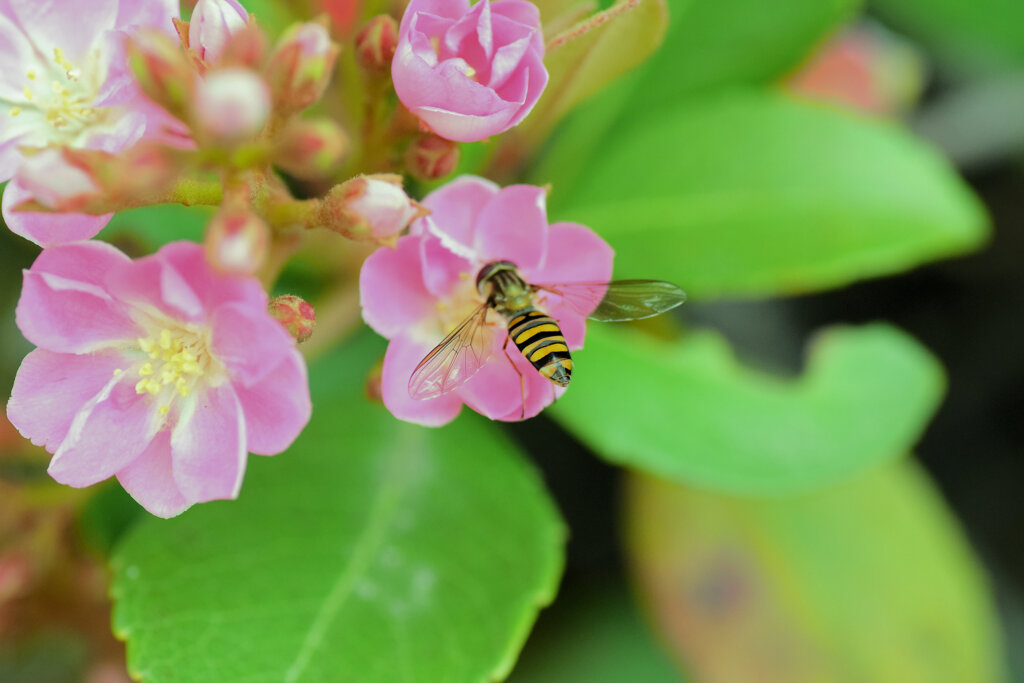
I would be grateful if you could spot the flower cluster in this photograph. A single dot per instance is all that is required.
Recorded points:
(166, 371)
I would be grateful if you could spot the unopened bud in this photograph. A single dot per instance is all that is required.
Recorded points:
(15, 575)
(55, 183)
(246, 48)
(297, 316)
(371, 208)
(231, 105)
(213, 24)
(375, 44)
(311, 149)
(161, 69)
(236, 241)
(301, 66)
(430, 157)
(374, 382)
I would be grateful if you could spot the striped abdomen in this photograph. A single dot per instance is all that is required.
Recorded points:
(540, 340)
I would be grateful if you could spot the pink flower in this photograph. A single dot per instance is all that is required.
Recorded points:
(158, 371)
(469, 73)
(419, 291)
(64, 81)
(212, 25)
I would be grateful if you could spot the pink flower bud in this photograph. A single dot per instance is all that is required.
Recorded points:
(300, 66)
(55, 183)
(376, 43)
(212, 25)
(236, 241)
(161, 69)
(311, 149)
(430, 157)
(371, 208)
(297, 316)
(231, 105)
(469, 72)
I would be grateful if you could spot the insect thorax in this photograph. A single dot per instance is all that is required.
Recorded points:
(504, 289)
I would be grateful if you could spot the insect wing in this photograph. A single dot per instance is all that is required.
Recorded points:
(454, 360)
(620, 300)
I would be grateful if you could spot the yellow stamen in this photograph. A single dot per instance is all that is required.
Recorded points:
(14, 111)
(146, 370)
(31, 74)
(163, 410)
(28, 93)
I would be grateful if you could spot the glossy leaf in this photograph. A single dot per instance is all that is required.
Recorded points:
(373, 550)
(870, 580)
(753, 194)
(983, 32)
(592, 53)
(696, 415)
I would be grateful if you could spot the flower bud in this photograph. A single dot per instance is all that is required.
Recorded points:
(311, 149)
(213, 24)
(231, 105)
(297, 316)
(300, 67)
(55, 183)
(15, 575)
(236, 241)
(375, 44)
(430, 157)
(161, 69)
(371, 208)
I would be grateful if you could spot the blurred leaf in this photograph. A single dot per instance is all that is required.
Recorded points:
(696, 415)
(709, 43)
(977, 123)
(107, 515)
(753, 194)
(49, 657)
(373, 550)
(980, 32)
(600, 639)
(587, 56)
(558, 15)
(152, 227)
(871, 580)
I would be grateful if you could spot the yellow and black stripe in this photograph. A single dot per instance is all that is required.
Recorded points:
(540, 340)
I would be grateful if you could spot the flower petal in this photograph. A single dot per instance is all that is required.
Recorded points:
(213, 288)
(454, 209)
(106, 434)
(53, 24)
(443, 270)
(441, 8)
(401, 358)
(249, 342)
(149, 480)
(391, 289)
(277, 408)
(16, 56)
(513, 226)
(47, 229)
(156, 13)
(208, 446)
(497, 392)
(153, 285)
(51, 388)
(64, 307)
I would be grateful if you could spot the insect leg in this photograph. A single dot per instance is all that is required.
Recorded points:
(522, 380)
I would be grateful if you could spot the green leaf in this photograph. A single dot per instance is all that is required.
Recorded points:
(871, 580)
(696, 415)
(750, 193)
(151, 227)
(983, 32)
(728, 42)
(594, 52)
(373, 550)
(598, 637)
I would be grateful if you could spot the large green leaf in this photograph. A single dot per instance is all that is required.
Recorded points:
(750, 193)
(867, 581)
(696, 415)
(372, 550)
(983, 32)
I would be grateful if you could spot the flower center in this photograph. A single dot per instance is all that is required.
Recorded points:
(176, 363)
(64, 102)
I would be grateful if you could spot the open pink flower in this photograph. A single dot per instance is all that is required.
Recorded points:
(64, 81)
(417, 292)
(469, 73)
(159, 371)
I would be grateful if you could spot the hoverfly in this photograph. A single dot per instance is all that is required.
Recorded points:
(536, 334)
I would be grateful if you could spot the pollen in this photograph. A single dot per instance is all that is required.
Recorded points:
(14, 111)
(176, 363)
(31, 74)
(27, 92)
